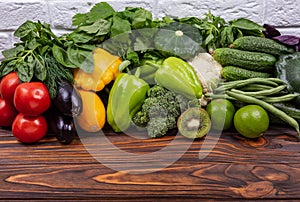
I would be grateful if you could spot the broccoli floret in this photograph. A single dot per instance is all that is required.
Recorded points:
(157, 127)
(159, 111)
(156, 91)
(140, 119)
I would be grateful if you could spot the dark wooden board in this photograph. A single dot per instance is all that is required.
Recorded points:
(237, 168)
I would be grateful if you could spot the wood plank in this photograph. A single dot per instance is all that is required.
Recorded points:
(237, 168)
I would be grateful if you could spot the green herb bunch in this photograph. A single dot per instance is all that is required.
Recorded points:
(32, 58)
(217, 32)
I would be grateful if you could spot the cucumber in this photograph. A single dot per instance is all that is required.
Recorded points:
(260, 44)
(261, 62)
(232, 73)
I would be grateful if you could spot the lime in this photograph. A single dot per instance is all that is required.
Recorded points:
(251, 121)
(221, 112)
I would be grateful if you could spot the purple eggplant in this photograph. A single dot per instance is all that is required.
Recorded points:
(68, 100)
(63, 128)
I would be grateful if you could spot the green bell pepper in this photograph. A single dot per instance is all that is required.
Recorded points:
(179, 76)
(125, 99)
(147, 69)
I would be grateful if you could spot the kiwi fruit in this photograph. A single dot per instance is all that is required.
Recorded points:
(194, 123)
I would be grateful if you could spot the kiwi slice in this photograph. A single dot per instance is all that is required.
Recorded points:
(194, 123)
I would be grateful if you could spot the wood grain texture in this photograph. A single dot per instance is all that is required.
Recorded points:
(237, 168)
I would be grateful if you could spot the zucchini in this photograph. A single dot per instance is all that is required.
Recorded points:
(232, 73)
(261, 62)
(260, 44)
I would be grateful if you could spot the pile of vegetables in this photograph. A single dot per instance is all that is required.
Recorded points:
(126, 70)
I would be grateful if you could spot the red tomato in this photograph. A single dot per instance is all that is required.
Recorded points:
(28, 129)
(7, 113)
(8, 86)
(32, 98)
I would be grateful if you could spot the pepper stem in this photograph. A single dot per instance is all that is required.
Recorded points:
(137, 72)
(124, 65)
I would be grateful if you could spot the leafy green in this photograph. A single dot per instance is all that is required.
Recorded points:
(112, 30)
(101, 10)
(58, 73)
(35, 56)
(99, 27)
(61, 56)
(246, 24)
(217, 32)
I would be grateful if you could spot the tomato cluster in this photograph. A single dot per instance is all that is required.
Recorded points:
(22, 106)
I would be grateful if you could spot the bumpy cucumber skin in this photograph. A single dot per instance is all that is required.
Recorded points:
(255, 61)
(232, 73)
(260, 44)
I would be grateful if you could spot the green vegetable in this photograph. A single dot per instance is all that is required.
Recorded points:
(125, 99)
(179, 76)
(261, 92)
(288, 70)
(148, 67)
(232, 73)
(33, 58)
(255, 61)
(266, 82)
(58, 73)
(216, 32)
(129, 41)
(159, 111)
(112, 30)
(269, 89)
(289, 109)
(269, 107)
(283, 98)
(179, 39)
(261, 44)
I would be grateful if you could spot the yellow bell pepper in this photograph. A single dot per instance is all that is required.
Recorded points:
(106, 69)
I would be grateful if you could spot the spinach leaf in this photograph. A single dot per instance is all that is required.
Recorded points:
(38, 65)
(119, 26)
(61, 56)
(141, 19)
(79, 37)
(25, 29)
(81, 58)
(25, 71)
(246, 24)
(13, 52)
(7, 67)
(99, 27)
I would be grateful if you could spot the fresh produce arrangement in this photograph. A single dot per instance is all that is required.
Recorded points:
(124, 70)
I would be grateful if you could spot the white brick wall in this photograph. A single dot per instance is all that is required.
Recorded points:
(282, 13)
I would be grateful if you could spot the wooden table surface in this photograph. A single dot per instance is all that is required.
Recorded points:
(266, 168)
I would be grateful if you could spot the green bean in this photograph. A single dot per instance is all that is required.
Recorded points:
(277, 112)
(255, 87)
(220, 96)
(283, 98)
(262, 92)
(277, 80)
(237, 84)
